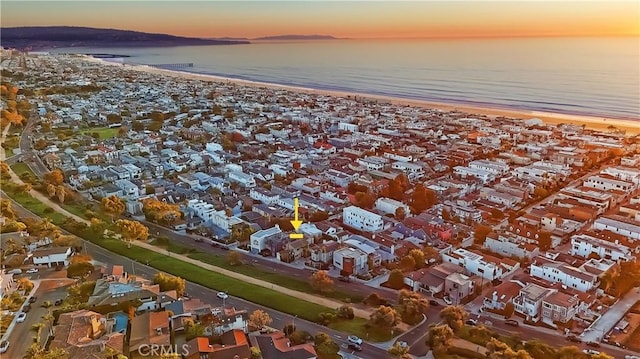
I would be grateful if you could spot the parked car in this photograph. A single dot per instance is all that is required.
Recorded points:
(26, 308)
(512, 322)
(222, 295)
(447, 300)
(354, 346)
(15, 271)
(21, 317)
(472, 322)
(4, 345)
(354, 339)
(33, 299)
(58, 302)
(573, 338)
(591, 352)
(434, 303)
(344, 279)
(628, 356)
(32, 270)
(593, 344)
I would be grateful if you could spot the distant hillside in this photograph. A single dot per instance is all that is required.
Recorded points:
(42, 37)
(297, 37)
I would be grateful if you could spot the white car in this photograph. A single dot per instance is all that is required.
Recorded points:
(222, 295)
(355, 340)
(21, 317)
(591, 352)
(4, 345)
(447, 300)
(32, 270)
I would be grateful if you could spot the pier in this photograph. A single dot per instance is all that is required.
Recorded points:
(172, 66)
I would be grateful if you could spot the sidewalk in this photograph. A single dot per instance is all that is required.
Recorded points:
(333, 304)
(36, 284)
(608, 320)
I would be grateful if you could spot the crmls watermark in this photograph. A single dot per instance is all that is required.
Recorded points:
(147, 350)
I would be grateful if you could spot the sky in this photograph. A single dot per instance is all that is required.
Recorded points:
(352, 19)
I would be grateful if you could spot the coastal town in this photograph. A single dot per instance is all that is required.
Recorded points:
(217, 219)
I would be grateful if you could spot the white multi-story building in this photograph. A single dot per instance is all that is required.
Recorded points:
(412, 170)
(482, 175)
(493, 167)
(628, 174)
(571, 277)
(583, 245)
(350, 127)
(529, 301)
(508, 246)
(260, 239)
(401, 157)
(372, 163)
(52, 257)
(390, 206)
(243, 179)
(361, 219)
(606, 184)
(474, 263)
(618, 224)
(263, 195)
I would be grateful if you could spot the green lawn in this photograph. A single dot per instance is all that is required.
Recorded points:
(21, 167)
(32, 204)
(104, 132)
(359, 327)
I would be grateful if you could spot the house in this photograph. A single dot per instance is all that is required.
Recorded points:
(87, 334)
(243, 179)
(264, 239)
(529, 301)
(233, 344)
(458, 286)
(147, 329)
(571, 277)
(52, 257)
(586, 245)
(608, 183)
(619, 224)
(432, 279)
(559, 307)
(501, 295)
(475, 263)
(277, 346)
(263, 195)
(6, 283)
(129, 190)
(112, 291)
(350, 261)
(361, 219)
(509, 246)
(322, 254)
(390, 206)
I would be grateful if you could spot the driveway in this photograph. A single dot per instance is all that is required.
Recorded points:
(608, 320)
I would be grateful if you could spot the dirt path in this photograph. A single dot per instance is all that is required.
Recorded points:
(5, 131)
(334, 304)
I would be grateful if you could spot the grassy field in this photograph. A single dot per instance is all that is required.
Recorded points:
(21, 167)
(32, 204)
(104, 132)
(196, 274)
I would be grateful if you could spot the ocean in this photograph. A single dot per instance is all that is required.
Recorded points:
(581, 76)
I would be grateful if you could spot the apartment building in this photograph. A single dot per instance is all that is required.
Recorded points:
(571, 277)
(618, 224)
(474, 263)
(361, 219)
(390, 206)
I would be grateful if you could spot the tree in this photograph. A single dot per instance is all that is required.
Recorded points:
(508, 310)
(51, 190)
(289, 329)
(454, 316)
(210, 320)
(499, 350)
(159, 211)
(365, 199)
(399, 351)
(539, 350)
(396, 279)
(384, 317)
(255, 353)
(544, 240)
(439, 337)
(325, 347)
(345, 312)
(400, 214)
(259, 319)
(113, 205)
(601, 355)
(132, 230)
(97, 226)
(25, 284)
(79, 269)
(480, 233)
(193, 330)
(418, 257)
(54, 177)
(568, 352)
(321, 281)
(168, 282)
(422, 198)
(234, 258)
(412, 306)
(407, 263)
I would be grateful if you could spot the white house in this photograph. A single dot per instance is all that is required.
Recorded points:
(493, 167)
(263, 195)
(474, 263)
(618, 224)
(129, 189)
(52, 257)
(412, 170)
(483, 175)
(571, 277)
(390, 206)
(372, 163)
(350, 261)
(583, 245)
(361, 219)
(243, 179)
(506, 245)
(606, 184)
(529, 301)
(260, 239)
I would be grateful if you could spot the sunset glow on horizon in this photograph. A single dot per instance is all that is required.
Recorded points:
(429, 19)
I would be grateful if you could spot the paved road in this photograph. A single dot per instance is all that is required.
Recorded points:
(21, 337)
(608, 320)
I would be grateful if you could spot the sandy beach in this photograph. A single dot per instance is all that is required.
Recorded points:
(591, 122)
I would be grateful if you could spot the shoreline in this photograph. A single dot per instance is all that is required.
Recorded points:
(549, 118)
